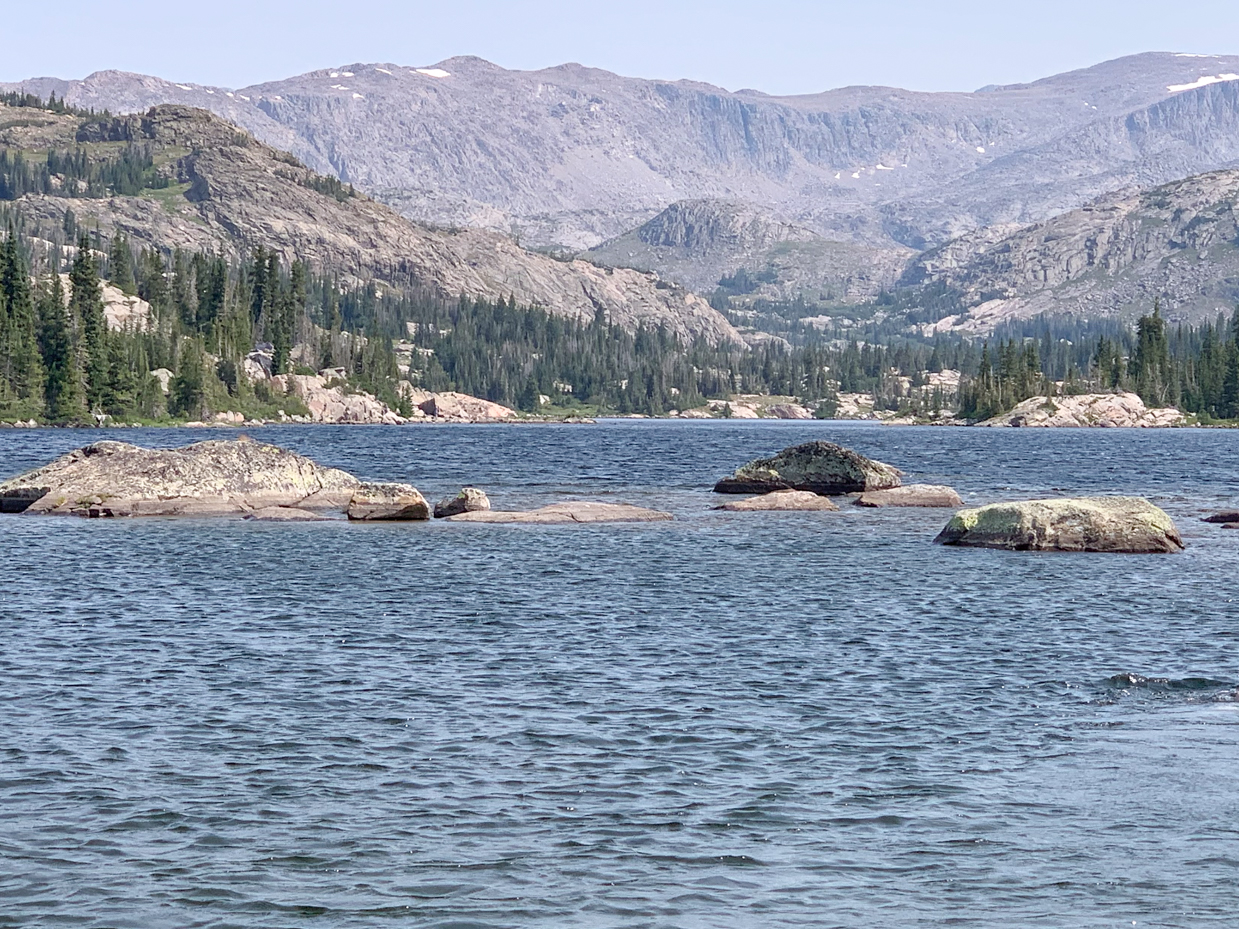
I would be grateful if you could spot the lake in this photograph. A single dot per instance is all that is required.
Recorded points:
(728, 720)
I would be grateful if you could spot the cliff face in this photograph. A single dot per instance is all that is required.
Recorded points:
(1178, 243)
(236, 193)
(573, 156)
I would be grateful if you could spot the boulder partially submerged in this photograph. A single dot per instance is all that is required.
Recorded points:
(1227, 518)
(923, 495)
(781, 501)
(469, 500)
(566, 513)
(818, 467)
(1081, 524)
(215, 478)
(374, 502)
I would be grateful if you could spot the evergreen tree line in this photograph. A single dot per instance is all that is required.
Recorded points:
(1194, 368)
(18, 99)
(75, 174)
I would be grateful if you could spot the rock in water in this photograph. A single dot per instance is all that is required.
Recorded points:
(469, 500)
(214, 478)
(1083, 524)
(1228, 518)
(926, 495)
(781, 500)
(818, 467)
(373, 502)
(563, 513)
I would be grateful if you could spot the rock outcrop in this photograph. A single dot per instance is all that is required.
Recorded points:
(205, 479)
(818, 467)
(329, 402)
(567, 513)
(922, 495)
(387, 502)
(469, 500)
(781, 501)
(1179, 242)
(1083, 524)
(458, 407)
(1103, 410)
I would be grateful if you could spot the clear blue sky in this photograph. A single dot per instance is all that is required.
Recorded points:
(779, 47)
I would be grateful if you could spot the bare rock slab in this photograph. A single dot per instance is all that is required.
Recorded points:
(215, 478)
(818, 467)
(923, 495)
(567, 513)
(781, 501)
(469, 500)
(374, 502)
(1082, 524)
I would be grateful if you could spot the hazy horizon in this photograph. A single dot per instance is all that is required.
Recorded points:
(786, 48)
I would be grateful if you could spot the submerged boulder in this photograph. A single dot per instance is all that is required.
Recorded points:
(1228, 518)
(565, 513)
(469, 500)
(374, 502)
(818, 467)
(924, 495)
(1081, 524)
(781, 501)
(215, 478)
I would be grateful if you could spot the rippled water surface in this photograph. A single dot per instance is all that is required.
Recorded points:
(729, 720)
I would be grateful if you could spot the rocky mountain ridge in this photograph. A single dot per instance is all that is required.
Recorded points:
(1177, 243)
(571, 156)
(232, 192)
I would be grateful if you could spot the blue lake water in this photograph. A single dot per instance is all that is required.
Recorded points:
(729, 720)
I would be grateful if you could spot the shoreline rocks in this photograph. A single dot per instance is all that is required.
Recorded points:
(818, 467)
(781, 501)
(918, 495)
(1129, 525)
(580, 512)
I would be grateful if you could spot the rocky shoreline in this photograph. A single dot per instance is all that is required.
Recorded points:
(330, 402)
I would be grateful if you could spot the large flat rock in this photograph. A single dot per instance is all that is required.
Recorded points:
(916, 495)
(781, 501)
(216, 478)
(566, 513)
(1080, 524)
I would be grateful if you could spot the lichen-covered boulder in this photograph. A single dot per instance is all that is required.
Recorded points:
(818, 467)
(567, 513)
(215, 478)
(781, 501)
(469, 500)
(1081, 524)
(923, 495)
(373, 502)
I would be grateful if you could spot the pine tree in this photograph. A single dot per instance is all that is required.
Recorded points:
(86, 312)
(20, 364)
(61, 387)
(187, 392)
(120, 265)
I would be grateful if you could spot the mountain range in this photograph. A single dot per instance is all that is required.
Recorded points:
(835, 196)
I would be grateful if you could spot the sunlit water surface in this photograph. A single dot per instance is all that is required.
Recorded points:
(729, 720)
